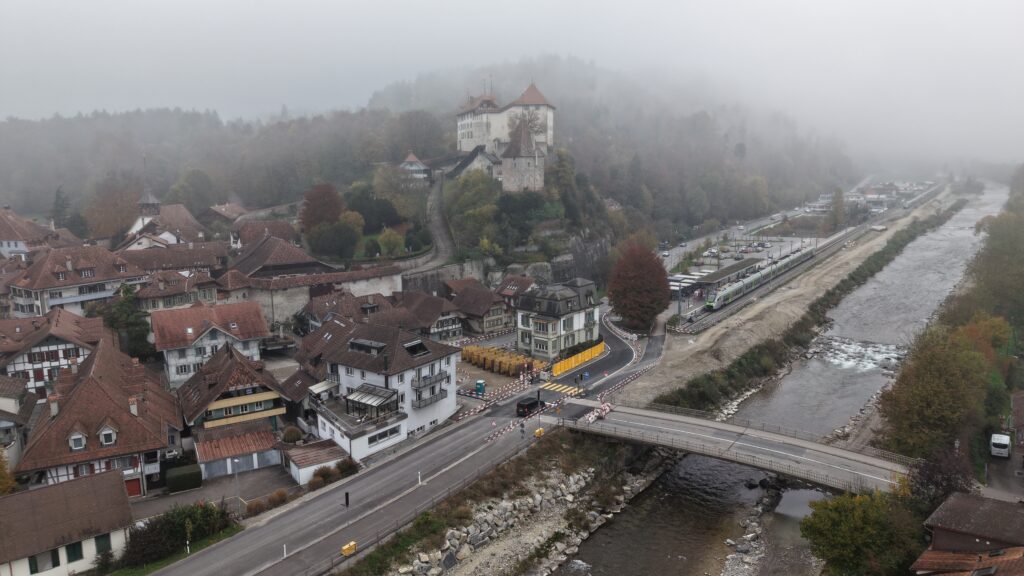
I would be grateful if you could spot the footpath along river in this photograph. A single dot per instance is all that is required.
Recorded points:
(679, 524)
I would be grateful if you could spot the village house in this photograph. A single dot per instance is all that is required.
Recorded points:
(70, 278)
(10, 270)
(35, 349)
(482, 311)
(302, 460)
(60, 530)
(386, 384)
(434, 317)
(19, 236)
(16, 406)
(248, 232)
(974, 535)
(245, 404)
(171, 289)
(345, 305)
(188, 337)
(208, 257)
(510, 288)
(417, 173)
(555, 318)
(108, 414)
(162, 225)
(226, 213)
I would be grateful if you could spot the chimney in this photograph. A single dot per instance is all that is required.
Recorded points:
(74, 365)
(191, 245)
(54, 407)
(67, 264)
(160, 285)
(133, 405)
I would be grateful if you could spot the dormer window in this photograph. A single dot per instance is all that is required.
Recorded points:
(234, 325)
(87, 272)
(77, 442)
(188, 331)
(122, 268)
(61, 276)
(107, 437)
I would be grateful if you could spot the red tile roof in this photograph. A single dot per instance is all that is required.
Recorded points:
(315, 453)
(233, 280)
(42, 274)
(530, 97)
(230, 210)
(346, 305)
(394, 356)
(243, 320)
(34, 521)
(234, 440)
(1009, 562)
(250, 231)
(172, 283)
(475, 300)
(310, 353)
(100, 394)
(184, 256)
(426, 308)
(512, 286)
(228, 370)
(19, 335)
(177, 218)
(980, 517)
(270, 251)
(14, 227)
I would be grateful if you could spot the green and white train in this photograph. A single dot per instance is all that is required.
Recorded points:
(718, 298)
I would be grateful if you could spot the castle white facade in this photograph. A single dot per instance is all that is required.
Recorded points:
(482, 122)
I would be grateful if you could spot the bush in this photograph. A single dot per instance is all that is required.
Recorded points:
(371, 248)
(347, 467)
(278, 498)
(254, 508)
(184, 478)
(315, 483)
(164, 535)
(335, 239)
(326, 473)
(292, 435)
(104, 563)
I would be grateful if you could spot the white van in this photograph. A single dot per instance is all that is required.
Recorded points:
(1000, 445)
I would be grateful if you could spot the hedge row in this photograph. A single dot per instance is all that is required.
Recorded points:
(184, 478)
(709, 391)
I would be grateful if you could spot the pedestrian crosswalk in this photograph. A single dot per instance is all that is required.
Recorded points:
(562, 388)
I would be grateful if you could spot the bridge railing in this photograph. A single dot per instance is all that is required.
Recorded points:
(855, 485)
(782, 430)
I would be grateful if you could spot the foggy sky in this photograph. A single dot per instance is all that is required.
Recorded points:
(923, 78)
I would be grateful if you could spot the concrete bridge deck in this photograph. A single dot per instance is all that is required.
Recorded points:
(776, 451)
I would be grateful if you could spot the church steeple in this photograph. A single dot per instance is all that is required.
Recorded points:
(149, 205)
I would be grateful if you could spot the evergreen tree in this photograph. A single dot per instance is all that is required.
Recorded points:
(59, 212)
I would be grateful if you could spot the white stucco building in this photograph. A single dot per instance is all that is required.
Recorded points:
(483, 122)
(384, 385)
(551, 319)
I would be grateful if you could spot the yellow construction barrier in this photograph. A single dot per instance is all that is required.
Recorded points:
(349, 549)
(498, 360)
(573, 361)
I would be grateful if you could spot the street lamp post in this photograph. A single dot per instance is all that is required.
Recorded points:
(238, 498)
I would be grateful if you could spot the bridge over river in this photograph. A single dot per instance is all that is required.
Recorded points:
(789, 452)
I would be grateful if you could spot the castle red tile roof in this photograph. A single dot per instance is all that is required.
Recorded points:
(35, 521)
(182, 327)
(234, 440)
(530, 97)
(45, 269)
(99, 395)
(19, 335)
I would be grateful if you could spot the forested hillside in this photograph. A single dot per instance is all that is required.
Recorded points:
(669, 159)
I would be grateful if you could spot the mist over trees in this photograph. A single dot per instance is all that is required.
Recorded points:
(673, 159)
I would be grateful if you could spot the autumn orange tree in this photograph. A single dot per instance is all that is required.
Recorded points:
(638, 288)
(114, 204)
(322, 205)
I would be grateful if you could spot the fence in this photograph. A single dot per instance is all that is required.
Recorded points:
(571, 362)
(327, 565)
(781, 430)
(857, 485)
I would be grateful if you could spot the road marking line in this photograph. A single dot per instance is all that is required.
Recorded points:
(737, 442)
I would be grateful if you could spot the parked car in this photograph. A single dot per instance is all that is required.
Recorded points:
(664, 254)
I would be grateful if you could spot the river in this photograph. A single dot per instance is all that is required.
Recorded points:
(679, 524)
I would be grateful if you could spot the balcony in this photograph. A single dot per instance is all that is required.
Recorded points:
(427, 401)
(424, 381)
(350, 420)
